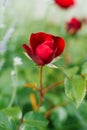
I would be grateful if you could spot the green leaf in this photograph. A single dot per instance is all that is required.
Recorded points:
(75, 89)
(34, 120)
(4, 122)
(79, 89)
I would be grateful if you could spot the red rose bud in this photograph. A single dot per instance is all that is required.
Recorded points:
(64, 3)
(73, 26)
(44, 47)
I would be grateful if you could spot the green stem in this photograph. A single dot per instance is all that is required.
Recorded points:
(15, 84)
(13, 97)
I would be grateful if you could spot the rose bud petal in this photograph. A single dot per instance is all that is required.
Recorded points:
(73, 26)
(44, 47)
(64, 3)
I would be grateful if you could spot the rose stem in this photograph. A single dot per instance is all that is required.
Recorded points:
(41, 87)
(52, 86)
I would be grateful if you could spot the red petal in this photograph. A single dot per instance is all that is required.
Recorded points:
(37, 39)
(37, 60)
(27, 49)
(60, 44)
(49, 43)
(45, 53)
(33, 56)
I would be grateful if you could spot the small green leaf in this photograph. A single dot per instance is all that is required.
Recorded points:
(75, 89)
(34, 120)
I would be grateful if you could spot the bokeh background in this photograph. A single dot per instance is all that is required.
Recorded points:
(20, 18)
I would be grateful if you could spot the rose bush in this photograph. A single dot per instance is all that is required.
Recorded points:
(44, 47)
(73, 26)
(64, 3)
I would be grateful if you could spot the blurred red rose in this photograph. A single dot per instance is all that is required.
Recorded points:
(44, 47)
(64, 3)
(73, 26)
